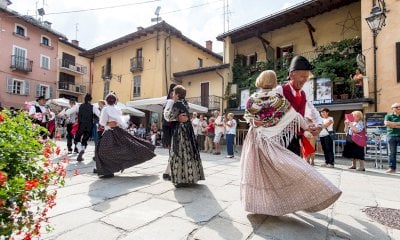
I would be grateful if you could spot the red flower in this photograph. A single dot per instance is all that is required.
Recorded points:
(30, 184)
(3, 179)
(1, 118)
(58, 150)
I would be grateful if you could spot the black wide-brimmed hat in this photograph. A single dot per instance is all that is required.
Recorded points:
(299, 63)
(40, 98)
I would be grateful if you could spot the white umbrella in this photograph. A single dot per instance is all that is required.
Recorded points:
(125, 109)
(157, 104)
(62, 102)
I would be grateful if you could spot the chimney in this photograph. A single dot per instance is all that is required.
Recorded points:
(209, 45)
(75, 42)
(140, 28)
(47, 24)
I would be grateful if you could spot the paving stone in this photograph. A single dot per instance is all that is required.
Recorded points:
(222, 229)
(158, 188)
(236, 213)
(69, 221)
(73, 202)
(200, 210)
(91, 231)
(168, 228)
(297, 226)
(121, 202)
(140, 214)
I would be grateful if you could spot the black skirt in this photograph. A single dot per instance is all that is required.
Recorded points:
(117, 150)
(352, 150)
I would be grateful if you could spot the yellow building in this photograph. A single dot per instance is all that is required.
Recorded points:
(141, 64)
(73, 71)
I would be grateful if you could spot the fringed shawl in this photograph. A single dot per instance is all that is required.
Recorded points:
(281, 121)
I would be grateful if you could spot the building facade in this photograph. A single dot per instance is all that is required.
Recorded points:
(28, 58)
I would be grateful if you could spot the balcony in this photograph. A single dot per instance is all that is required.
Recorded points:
(71, 88)
(212, 102)
(73, 67)
(21, 64)
(136, 64)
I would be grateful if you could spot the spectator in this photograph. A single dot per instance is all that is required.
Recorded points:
(219, 131)
(230, 127)
(392, 123)
(141, 131)
(358, 83)
(354, 125)
(326, 139)
(208, 147)
(195, 123)
(155, 134)
(201, 132)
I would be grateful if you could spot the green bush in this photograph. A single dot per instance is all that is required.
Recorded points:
(27, 177)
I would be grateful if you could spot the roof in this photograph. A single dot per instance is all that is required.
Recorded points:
(200, 70)
(33, 21)
(72, 45)
(285, 17)
(162, 26)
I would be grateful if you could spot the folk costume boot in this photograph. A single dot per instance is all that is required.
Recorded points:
(353, 164)
(362, 166)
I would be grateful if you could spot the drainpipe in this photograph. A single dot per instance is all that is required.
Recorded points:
(223, 85)
(165, 61)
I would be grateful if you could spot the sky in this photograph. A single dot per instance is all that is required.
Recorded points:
(101, 21)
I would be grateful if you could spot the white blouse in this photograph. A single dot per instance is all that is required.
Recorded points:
(110, 113)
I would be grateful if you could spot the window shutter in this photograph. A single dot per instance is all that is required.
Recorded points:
(26, 90)
(10, 85)
(398, 60)
(37, 90)
(50, 92)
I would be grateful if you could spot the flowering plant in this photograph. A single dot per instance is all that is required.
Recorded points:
(28, 174)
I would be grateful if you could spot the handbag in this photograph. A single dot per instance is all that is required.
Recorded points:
(360, 138)
(332, 134)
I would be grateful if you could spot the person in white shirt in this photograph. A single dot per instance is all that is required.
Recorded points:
(117, 149)
(195, 123)
(71, 119)
(40, 114)
(230, 133)
(326, 139)
(219, 131)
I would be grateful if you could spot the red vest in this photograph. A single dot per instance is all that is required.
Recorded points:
(300, 107)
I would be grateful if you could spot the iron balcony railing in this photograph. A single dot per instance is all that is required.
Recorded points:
(72, 87)
(74, 67)
(21, 63)
(136, 64)
(212, 102)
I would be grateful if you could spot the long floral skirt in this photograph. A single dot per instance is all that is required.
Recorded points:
(275, 181)
(184, 160)
(117, 150)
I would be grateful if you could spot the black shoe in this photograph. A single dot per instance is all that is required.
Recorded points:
(107, 176)
(94, 170)
(80, 156)
(166, 177)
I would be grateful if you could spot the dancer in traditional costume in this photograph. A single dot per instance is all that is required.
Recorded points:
(184, 160)
(117, 150)
(274, 180)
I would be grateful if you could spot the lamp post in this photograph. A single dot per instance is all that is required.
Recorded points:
(376, 20)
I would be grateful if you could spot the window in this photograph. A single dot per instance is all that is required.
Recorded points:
(106, 89)
(45, 41)
(200, 62)
(253, 59)
(20, 30)
(44, 62)
(285, 51)
(136, 85)
(19, 58)
(17, 87)
(43, 90)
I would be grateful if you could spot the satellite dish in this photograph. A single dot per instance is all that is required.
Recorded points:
(41, 12)
(157, 12)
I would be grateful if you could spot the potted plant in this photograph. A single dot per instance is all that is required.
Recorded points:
(28, 173)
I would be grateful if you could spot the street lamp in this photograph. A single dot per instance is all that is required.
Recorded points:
(376, 20)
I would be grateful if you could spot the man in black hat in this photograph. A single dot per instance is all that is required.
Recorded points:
(299, 74)
(85, 121)
(40, 113)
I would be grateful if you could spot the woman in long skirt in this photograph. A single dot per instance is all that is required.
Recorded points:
(184, 161)
(117, 150)
(274, 180)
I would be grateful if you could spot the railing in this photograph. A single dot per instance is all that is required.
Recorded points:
(212, 102)
(21, 64)
(72, 87)
(136, 64)
(74, 67)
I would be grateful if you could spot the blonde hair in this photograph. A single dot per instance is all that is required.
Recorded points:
(357, 113)
(266, 80)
